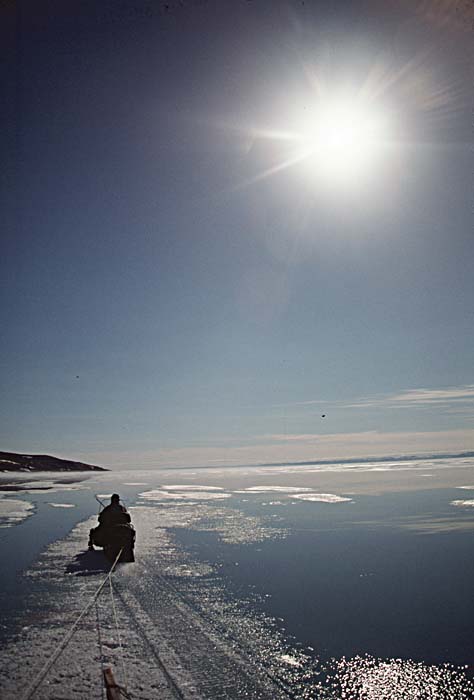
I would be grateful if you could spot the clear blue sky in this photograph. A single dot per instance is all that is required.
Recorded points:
(164, 303)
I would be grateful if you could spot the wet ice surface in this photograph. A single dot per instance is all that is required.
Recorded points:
(372, 679)
(41, 481)
(186, 631)
(14, 511)
(183, 634)
(194, 493)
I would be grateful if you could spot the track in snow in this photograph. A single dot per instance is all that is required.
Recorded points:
(173, 647)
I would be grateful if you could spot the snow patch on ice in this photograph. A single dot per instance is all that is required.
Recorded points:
(191, 487)
(161, 495)
(14, 511)
(280, 489)
(62, 505)
(291, 660)
(322, 497)
(231, 525)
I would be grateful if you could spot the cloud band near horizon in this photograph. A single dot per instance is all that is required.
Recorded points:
(291, 448)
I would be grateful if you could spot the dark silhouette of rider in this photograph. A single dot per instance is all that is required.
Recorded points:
(113, 514)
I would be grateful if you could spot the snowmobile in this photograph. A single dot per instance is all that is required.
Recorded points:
(115, 533)
(114, 538)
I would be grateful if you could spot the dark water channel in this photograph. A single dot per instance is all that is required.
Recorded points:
(391, 576)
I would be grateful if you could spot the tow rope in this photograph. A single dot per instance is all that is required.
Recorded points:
(52, 660)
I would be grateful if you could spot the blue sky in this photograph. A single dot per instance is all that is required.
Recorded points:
(171, 294)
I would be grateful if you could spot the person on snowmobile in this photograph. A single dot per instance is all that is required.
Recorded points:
(113, 514)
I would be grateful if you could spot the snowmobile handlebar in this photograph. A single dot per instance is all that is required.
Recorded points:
(99, 501)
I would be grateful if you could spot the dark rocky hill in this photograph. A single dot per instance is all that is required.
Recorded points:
(14, 462)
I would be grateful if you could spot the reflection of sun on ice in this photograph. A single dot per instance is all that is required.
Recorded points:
(342, 139)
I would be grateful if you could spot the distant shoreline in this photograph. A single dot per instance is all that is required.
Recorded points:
(363, 460)
(23, 463)
(12, 462)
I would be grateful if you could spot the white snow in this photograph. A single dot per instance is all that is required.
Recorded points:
(14, 511)
(190, 487)
(291, 660)
(280, 489)
(161, 495)
(322, 497)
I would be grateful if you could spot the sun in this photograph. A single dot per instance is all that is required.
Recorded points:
(340, 142)
(342, 139)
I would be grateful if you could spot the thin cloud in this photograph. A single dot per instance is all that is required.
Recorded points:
(457, 396)
(275, 448)
(436, 395)
(419, 398)
(318, 437)
(310, 402)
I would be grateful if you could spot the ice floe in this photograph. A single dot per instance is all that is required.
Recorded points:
(280, 489)
(187, 495)
(62, 505)
(322, 497)
(190, 487)
(230, 525)
(14, 511)
(463, 503)
(291, 660)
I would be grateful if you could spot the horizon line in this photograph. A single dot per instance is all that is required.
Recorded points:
(346, 460)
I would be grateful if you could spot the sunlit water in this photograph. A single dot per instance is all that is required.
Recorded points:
(367, 596)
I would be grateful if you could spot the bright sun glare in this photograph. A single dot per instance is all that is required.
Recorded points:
(340, 142)
(342, 139)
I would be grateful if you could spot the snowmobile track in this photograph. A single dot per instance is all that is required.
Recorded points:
(190, 649)
(173, 648)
